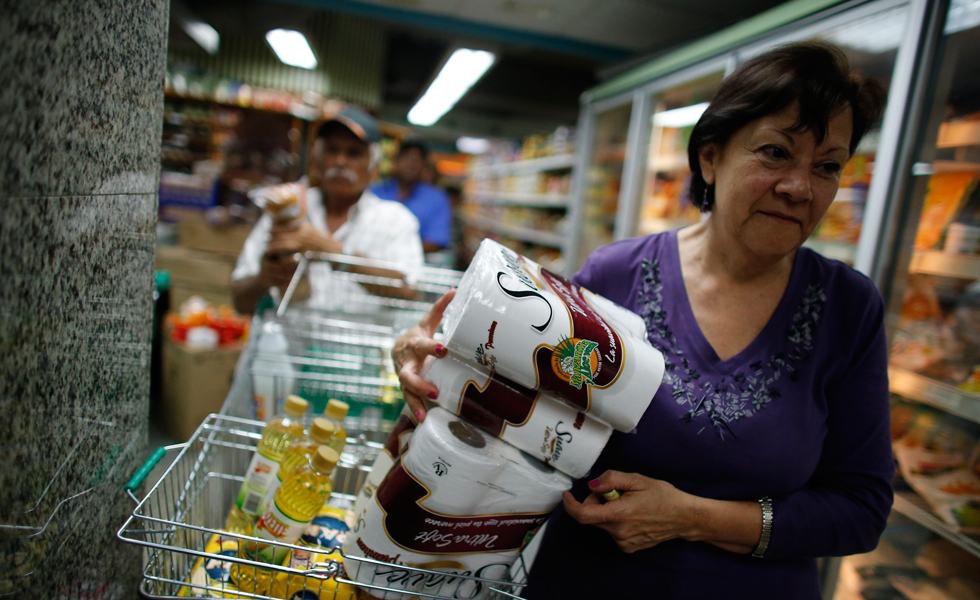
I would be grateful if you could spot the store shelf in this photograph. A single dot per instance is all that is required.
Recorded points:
(842, 251)
(934, 393)
(528, 200)
(547, 163)
(915, 508)
(526, 234)
(954, 166)
(947, 264)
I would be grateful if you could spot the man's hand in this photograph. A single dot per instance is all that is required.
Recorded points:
(649, 511)
(276, 271)
(289, 240)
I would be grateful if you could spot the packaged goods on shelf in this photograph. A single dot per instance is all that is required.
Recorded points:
(946, 193)
(938, 454)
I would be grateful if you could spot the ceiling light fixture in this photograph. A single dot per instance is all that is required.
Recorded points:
(680, 117)
(472, 145)
(292, 48)
(463, 69)
(202, 33)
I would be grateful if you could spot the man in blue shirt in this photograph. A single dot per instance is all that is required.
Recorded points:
(428, 203)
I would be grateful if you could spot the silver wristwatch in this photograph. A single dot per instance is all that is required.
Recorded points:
(766, 504)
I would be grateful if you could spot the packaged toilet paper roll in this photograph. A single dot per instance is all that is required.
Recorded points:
(544, 332)
(456, 501)
(395, 443)
(546, 428)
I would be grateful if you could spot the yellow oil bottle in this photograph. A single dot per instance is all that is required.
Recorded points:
(336, 412)
(299, 452)
(302, 493)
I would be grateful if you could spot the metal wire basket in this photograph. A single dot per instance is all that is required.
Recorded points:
(379, 292)
(186, 508)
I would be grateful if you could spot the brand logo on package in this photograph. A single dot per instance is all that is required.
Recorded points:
(489, 344)
(413, 527)
(555, 439)
(515, 270)
(440, 467)
(592, 355)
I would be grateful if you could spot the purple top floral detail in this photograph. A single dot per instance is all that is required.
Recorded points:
(800, 415)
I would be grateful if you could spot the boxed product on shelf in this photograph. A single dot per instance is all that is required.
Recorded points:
(199, 232)
(196, 273)
(938, 455)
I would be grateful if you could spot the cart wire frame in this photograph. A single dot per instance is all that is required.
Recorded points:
(185, 509)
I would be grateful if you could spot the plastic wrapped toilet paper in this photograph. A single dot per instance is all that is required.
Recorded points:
(536, 423)
(456, 501)
(395, 444)
(544, 332)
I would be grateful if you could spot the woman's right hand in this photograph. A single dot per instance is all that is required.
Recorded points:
(409, 355)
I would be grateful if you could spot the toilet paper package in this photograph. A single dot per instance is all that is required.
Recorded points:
(457, 502)
(395, 443)
(543, 332)
(546, 428)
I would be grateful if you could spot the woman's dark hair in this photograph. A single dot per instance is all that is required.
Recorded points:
(813, 74)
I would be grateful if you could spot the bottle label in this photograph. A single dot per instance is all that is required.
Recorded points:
(270, 493)
(275, 525)
(261, 471)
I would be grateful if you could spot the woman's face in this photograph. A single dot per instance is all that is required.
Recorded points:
(773, 185)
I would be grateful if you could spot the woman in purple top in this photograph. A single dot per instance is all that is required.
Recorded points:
(768, 443)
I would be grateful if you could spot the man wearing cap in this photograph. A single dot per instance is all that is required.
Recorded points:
(342, 217)
(427, 202)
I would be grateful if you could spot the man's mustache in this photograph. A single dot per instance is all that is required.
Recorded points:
(344, 172)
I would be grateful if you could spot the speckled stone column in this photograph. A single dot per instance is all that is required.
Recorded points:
(81, 109)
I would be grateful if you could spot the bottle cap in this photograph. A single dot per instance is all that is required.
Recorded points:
(337, 410)
(295, 406)
(322, 430)
(324, 459)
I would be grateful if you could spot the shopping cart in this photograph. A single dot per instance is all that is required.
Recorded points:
(370, 291)
(186, 508)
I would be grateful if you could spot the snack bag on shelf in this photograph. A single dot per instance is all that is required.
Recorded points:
(946, 193)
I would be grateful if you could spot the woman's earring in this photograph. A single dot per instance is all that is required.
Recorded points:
(704, 200)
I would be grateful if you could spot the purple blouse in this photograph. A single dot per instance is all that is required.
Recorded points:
(800, 415)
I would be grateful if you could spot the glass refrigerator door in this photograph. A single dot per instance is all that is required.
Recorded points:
(931, 548)
(871, 46)
(666, 203)
(603, 179)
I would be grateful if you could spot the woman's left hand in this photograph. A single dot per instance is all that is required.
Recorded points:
(648, 511)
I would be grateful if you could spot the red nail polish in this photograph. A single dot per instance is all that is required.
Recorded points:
(439, 349)
(595, 482)
(418, 415)
(432, 395)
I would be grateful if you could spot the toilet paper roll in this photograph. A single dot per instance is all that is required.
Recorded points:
(395, 443)
(457, 501)
(536, 423)
(544, 332)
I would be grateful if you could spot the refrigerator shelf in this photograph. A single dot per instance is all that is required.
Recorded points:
(934, 393)
(946, 264)
(915, 508)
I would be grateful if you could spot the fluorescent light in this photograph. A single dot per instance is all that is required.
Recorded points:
(471, 145)
(202, 33)
(963, 14)
(680, 117)
(461, 71)
(291, 48)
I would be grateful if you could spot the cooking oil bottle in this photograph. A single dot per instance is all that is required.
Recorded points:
(300, 497)
(299, 452)
(276, 438)
(249, 578)
(336, 412)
